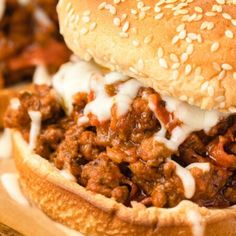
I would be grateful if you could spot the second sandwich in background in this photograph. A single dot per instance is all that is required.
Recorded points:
(29, 38)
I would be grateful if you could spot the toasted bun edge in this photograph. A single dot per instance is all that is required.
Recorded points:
(93, 214)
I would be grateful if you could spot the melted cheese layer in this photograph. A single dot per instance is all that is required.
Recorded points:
(86, 77)
(192, 118)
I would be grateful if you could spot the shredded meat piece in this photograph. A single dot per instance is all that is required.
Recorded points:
(152, 152)
(26, 41)
(67, 153)
(42, 99)
(103, 176)
(120, 158)
(48, 140)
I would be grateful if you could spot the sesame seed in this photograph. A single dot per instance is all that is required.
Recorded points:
(123, 17)
(116, 21)
(226, 66)
(180, 27)
(188, 69)
(210, 13)
(163, 63)
(158, 16)
(221, 75)
(216, 66)
(175, 75)
(182, 34)
(125, 26)
(233, 22)
(174, 58)
(175, 39)
(134, 11)
(215, 46)
(102, 5)
(175, 66)
(85, 19)
(71, 12)
(146, 8)
(198, 9)
(227, 16)
(234, 75)
(190, 49)
(184, 57)
(68, 6)
(204, 86)
(141, 15)
(112, 10)
(84, 31)
(140, 5)
(157, 9)
(221, 2)
(229, 34)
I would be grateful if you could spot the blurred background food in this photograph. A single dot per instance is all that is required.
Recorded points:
(30, 45)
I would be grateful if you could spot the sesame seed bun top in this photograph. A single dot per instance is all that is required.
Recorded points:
(185, 49)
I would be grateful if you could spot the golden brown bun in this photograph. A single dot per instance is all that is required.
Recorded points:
(93, 214)
(5, 96)
(141, 40)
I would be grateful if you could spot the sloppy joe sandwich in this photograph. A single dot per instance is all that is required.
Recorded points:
(136, 134)
(29, 38)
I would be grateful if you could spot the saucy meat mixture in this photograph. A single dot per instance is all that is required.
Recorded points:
(120, 157)
(29, 36)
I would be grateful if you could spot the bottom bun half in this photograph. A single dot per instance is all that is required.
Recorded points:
(69, 203)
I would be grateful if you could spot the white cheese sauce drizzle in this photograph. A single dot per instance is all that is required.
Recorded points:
(35, 128)
(41, 76)
(5, 137)
(205, 167)
(192, 118)
(196, 221)
(86, 77)
(187, 179)
(10, 182)
(5, 144)
(14, 103)
(42, 17)
(73, 78)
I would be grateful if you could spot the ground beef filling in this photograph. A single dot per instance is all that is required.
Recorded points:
(29, 36)
(120, 159)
